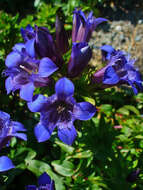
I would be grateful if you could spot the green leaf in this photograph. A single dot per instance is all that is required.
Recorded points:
(30, 155)
(141, 143)
(123, 111)
(13, 142)
(65, 147)
(139, 137)
(85, 154)
(135, 163)
(106, 108)
(89, 99)
(132, 108)
(65, 168)
(37, 167)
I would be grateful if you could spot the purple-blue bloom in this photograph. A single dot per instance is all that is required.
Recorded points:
(61, 36)
(25, 72)
(119, 70)
(44, 183)
(80, 56)
(41, 42)
(107, 51)
(84, 26)
(60, 110)
(9, 129)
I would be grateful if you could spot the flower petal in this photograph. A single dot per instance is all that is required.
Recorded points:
(98, 21)
(64, 88)
(110, 76)
(30, 47)
(5, 164)
(67, 133)
(46, 67)
(13, 59)
(31, 187)
(26, 91)
(80, 56)
(107, 50)
(27, 33)
(18, 47)
(38, 104)
(8, 85)
(43, 133)
(17, 126)
(84, 111)
(20, 135)
(61, 36)
(135, 90)
(4, 116)
(44, 179)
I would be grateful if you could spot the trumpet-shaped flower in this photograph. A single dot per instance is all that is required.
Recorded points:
(60, 110)
(61, 36)
(41, 42)
(80, 56)
(119, 70)
(84, 26)
(25, 72)
(44, 183)
(9, 129)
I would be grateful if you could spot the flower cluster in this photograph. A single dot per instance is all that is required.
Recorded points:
(119, 70)
(9, 129)
(33, 64)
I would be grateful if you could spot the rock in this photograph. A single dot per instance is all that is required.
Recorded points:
(118, 28)
(122, 38)
(140, 21)
(138, 38)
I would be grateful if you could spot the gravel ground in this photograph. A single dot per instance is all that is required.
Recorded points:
(125, 34)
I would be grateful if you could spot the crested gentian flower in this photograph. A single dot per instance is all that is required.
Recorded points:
(9, 129)
(25, 72)
(84, 26)
(107, 51)
(60, 110)
(119, 70)
(61, 36)
(41, 42)
(44, 183)
(80, 56)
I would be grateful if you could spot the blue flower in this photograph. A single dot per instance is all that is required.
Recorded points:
(107, 51)
(83, 27)
(28, 33)
(41, 42)
(9, 129)
(44, 183)
(61, 36)
(60, 110)
(80, 56)
(119, 70)
(24, 71)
